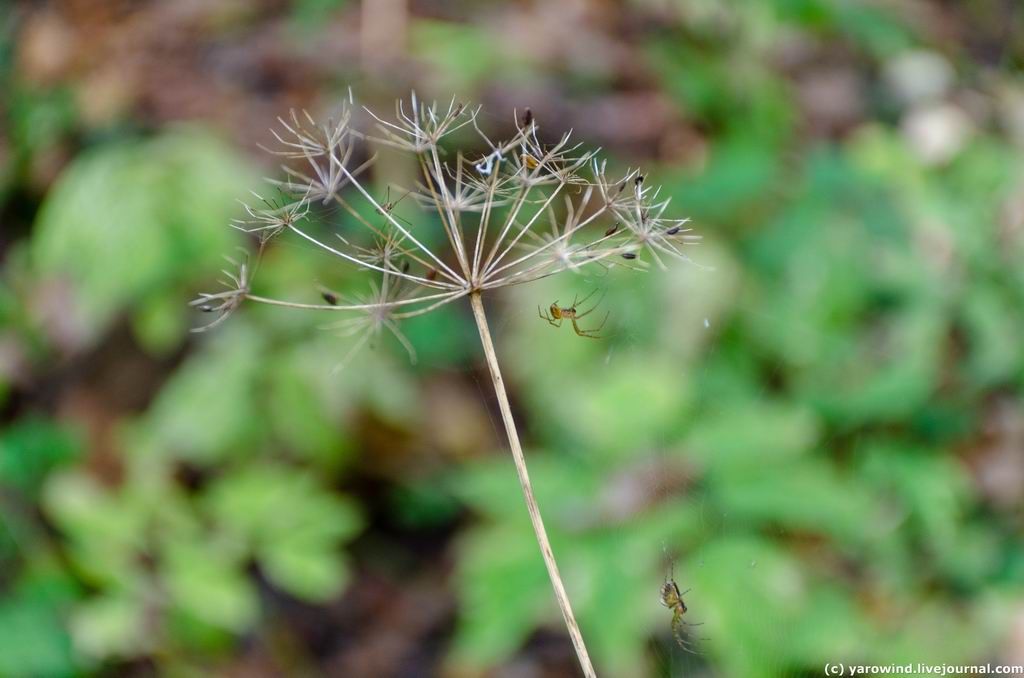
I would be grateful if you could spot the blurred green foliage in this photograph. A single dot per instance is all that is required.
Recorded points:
(824, 513)
(121, 221)
(798, 426)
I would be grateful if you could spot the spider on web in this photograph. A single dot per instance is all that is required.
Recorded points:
(672, 598)
(556, 314)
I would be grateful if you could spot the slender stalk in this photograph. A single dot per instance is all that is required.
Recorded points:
(524, 482)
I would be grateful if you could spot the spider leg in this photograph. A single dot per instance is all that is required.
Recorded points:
(592, 308)
(589, 334)
(593, 332)
(584, 299)
(686, 646)
(677, 622)
(404, 196)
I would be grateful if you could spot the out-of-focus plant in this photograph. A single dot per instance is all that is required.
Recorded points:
(797, 451)
(153, 553)
(825, 432)
(115, 230)
(38, 592)
(523, 212)
(213, 486)
(157, 557)
(823, 442)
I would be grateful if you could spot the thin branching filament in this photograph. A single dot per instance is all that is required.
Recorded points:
(518, 211)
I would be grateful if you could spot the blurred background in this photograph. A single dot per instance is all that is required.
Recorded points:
(822, 437)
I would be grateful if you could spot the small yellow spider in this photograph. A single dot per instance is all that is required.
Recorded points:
(673, 600)
(556, 314)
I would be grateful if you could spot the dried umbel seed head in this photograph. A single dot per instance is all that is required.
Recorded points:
(236, 288)
(271, 216)
(521, 211)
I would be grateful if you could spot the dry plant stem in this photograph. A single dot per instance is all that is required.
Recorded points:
(524, 482)
(520, 176)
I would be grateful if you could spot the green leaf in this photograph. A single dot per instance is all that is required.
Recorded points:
(106, 530)
(993, 325)
(132, 221)
(33, 641)
(503, 593)
(208, 411)
(160, 322)
(809, 496)
(311, 14)
(459, 53)
(111, 626)
(304, 408)
(31, 448)
(210, 584)
(936, 496)
(308, 568)
(611, 411)
(291, 525)
(751, 596)
(752, 435)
